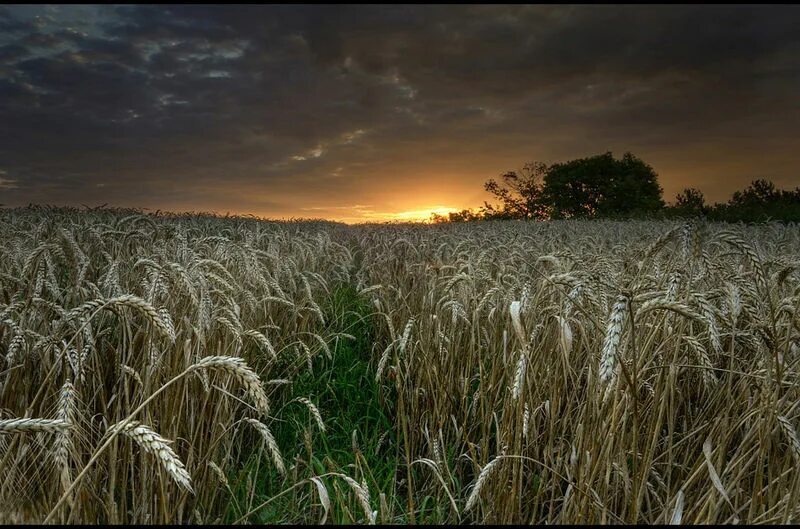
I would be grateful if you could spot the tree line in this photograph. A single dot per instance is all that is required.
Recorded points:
(605, 187)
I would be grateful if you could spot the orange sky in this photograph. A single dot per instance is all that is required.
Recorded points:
(371, 113)
(424, 186)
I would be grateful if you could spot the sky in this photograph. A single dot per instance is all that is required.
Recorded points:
(361, 113)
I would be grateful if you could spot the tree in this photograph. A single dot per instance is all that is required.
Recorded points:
(690, 203)
(601, 186)
(759, 202)
(758, 193)
(465, 215)
(521, 197)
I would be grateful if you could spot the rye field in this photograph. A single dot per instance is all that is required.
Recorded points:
(198, 369)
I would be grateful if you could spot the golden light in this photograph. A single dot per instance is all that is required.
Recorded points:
(420, 215)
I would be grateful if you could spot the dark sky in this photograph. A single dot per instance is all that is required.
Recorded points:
(371, 112)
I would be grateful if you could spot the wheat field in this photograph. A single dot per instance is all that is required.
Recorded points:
(183, 368)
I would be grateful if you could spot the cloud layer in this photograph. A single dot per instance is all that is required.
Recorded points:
(316, 111)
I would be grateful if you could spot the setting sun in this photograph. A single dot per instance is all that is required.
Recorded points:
(420, 215)
(357, 214)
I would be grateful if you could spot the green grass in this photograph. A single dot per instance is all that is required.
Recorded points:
(353, 407)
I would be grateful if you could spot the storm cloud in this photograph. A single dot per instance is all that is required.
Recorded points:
(358, 112)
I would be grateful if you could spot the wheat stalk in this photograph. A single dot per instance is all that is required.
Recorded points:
(11, 426)
(608, 357)
(154, 444)
(314, 413)
(482, 477)
(272, 446)
(242, 373)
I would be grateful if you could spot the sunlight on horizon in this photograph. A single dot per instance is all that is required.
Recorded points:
(415, 215)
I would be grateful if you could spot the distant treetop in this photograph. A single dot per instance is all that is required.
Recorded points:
(604, 187)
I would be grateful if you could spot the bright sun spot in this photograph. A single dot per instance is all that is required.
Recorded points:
(417, 215)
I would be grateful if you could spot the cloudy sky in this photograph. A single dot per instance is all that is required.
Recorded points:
(359, 113)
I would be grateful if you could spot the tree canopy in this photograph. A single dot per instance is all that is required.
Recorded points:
(597, 186)
(760, 201)
(602, 186)
(522, 197)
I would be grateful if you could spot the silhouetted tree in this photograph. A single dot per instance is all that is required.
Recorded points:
(601, 186)
(690, 203)
(521, 197)
(465, 215)
(760, 201)
(758, 193)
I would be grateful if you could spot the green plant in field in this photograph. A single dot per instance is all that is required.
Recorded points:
(358, 432)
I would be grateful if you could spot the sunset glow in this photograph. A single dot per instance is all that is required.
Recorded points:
(417, 215)
(422, 214)
(360, 113)
(360, 213)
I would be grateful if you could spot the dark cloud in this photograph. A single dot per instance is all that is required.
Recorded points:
(289, 109)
